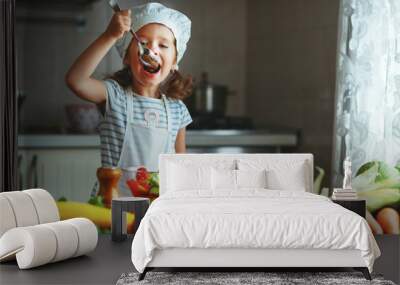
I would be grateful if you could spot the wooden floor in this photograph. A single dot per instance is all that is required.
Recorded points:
(102, 266)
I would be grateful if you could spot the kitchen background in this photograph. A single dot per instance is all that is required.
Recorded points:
(277, 56)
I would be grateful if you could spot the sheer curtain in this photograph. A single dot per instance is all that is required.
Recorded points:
(8, 98)
(367, 125)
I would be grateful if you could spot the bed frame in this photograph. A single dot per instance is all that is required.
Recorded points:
(246, 259)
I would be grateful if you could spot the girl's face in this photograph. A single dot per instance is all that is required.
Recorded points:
(161, 41)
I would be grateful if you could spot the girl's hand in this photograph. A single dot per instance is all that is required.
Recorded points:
(119, 24)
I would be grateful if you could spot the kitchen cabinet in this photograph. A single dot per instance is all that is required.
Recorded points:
(64, 172)
(66, 164)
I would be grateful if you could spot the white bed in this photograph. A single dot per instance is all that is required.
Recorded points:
(197, 224)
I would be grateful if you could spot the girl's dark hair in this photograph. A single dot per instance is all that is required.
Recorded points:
(176, 86)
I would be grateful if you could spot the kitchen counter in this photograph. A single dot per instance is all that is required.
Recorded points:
(58, 141)
(194, 138)
(240, 138)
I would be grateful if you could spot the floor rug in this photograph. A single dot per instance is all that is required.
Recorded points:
(273, 278)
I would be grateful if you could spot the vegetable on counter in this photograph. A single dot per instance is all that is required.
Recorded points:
(376, 175)
(379, 184)
(146, 184)
(379, 198)
(389, 219)
(318, 180)
(97, 201)
(373, 224)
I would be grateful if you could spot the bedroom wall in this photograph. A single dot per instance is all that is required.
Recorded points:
(295, 85)
(295, 88)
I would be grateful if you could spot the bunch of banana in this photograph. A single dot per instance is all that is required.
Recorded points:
(98, 214)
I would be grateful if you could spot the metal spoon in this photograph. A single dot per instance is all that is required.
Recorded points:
(146, 55)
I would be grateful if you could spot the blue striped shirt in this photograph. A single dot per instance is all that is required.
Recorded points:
(113, 123)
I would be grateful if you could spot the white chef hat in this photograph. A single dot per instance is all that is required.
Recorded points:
(149, 13)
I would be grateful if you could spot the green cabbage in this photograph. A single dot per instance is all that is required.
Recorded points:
(380, 198)
(375, 175)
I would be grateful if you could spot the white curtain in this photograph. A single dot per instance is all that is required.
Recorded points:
(367, 125)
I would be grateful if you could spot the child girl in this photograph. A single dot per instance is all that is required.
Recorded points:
(143, 112)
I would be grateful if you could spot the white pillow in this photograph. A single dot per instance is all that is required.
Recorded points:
(223, 179)
(280, 180)
(227, 179)
(181, 177)
(281, 174)
(251, 178)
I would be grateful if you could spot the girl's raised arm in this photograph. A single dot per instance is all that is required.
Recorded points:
(78, 77)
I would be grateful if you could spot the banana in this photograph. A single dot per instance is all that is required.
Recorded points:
(98, 215)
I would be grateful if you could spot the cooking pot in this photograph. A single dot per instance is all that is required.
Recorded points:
(208, 98)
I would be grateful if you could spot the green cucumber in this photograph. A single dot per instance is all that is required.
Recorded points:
(154, 190)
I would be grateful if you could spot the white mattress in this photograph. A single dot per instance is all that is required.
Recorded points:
(250, 219)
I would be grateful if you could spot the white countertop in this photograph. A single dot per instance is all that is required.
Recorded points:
(194, 138)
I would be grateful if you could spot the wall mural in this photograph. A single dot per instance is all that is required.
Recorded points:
(368, 107)
(98, 209)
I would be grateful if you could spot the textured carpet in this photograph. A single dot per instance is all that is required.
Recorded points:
(229, 278)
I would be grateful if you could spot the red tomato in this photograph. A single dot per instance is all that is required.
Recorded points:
(142, 169)
(136, 188)
(142, 174)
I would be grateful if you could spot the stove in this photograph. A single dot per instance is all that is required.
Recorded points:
(220, 123)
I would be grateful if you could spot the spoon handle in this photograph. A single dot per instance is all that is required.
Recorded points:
(114, 5)
(142, 50)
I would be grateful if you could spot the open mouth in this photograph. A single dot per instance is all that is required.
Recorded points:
(150, 64)
(151, 69)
